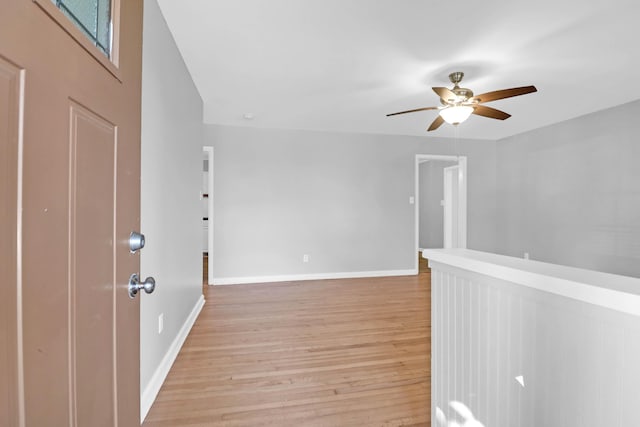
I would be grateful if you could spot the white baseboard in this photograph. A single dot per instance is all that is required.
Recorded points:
(319, 276)
(150, 392)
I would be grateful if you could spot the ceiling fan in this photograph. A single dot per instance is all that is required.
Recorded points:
(458, 103)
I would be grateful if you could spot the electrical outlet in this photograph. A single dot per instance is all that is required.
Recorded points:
(160, 323)
(305, 258)
(526, 255)
(412, 200)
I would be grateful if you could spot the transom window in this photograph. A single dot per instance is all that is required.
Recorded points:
(92, 17)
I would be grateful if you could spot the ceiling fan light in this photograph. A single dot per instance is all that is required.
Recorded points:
(456, 114)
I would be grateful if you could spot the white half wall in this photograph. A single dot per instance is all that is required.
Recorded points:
(515, 354)
(171, 211)
(342, 199)
(570, 193)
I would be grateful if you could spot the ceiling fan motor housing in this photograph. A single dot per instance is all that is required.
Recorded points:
(463, 93)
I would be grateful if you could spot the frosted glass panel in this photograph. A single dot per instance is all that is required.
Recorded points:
(92, 17)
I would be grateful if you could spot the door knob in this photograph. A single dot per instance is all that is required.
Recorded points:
(135, 285)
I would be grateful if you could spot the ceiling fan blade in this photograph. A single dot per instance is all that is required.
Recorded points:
(492, 113)
(445, 94)
(502, 94)
(436, 123)
(413, 111)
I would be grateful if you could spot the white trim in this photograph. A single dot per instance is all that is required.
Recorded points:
(320, 276)
(150, 392)
(446, 158)
(612, 291)
(462, 194)
(208, 150)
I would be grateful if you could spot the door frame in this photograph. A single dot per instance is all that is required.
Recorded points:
(208, 151)
(462, 198)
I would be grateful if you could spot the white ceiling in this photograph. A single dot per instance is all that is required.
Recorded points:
(341, 65)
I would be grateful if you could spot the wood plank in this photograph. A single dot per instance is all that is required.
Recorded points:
(325, 353)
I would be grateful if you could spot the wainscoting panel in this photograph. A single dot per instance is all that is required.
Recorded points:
(513, 356)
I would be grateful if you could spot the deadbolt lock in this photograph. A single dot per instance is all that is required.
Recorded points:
(136, 241)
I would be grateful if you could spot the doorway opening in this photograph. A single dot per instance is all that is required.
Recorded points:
(452, 229)
(207, 216)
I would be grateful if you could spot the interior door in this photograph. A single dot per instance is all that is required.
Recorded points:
(70, 120)
(451, 205)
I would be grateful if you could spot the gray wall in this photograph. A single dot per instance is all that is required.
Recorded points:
(341, 198)
(171, 181)
(431, 211)
(570, 193)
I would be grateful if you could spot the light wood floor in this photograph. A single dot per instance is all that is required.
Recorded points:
(350, 352)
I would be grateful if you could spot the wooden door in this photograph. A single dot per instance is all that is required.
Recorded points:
(70, 146)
